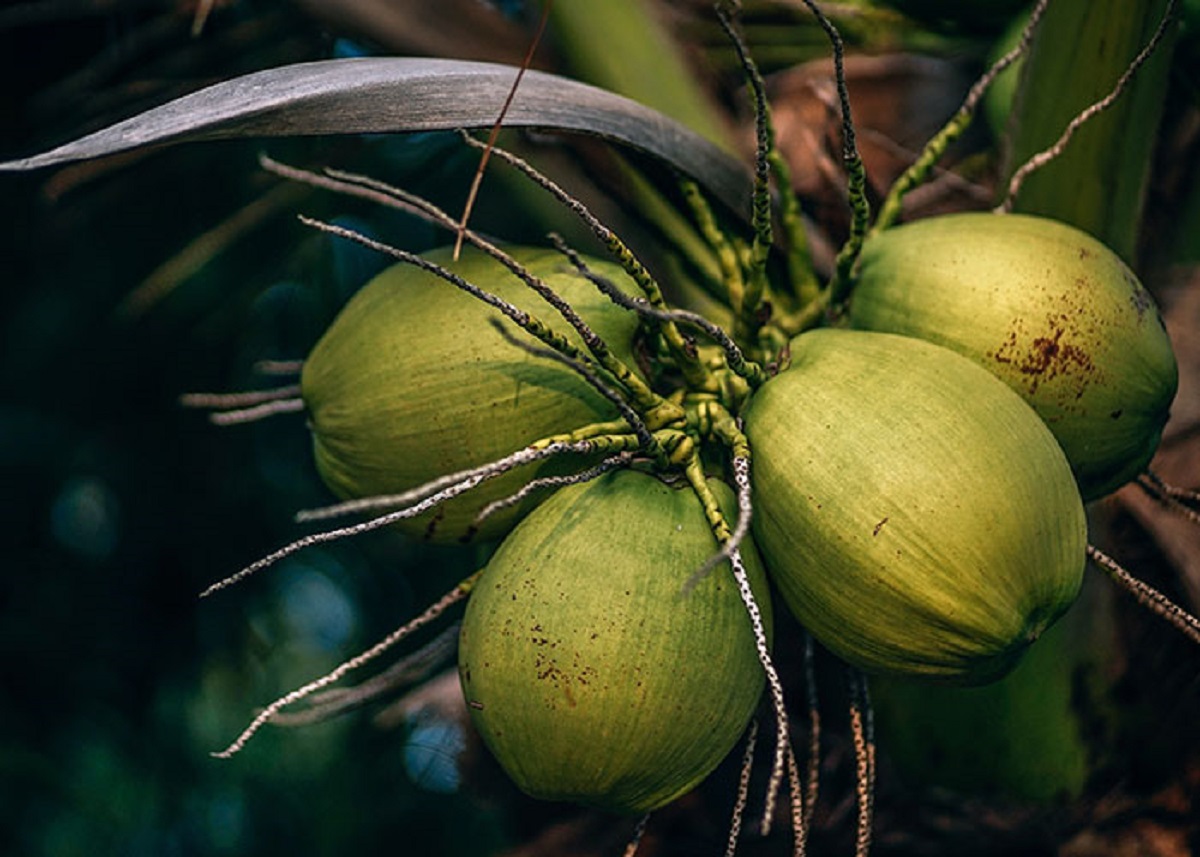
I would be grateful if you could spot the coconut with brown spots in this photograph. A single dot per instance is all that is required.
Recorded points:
(1047, 309)
(595, 668)
(914, 513)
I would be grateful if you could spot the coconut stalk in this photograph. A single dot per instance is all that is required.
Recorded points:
(1099, 181)
(1019, 737)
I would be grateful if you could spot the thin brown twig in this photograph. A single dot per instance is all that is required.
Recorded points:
(477, 180)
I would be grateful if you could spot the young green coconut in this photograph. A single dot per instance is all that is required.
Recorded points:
(1047, 309)
(915, 514)
(594, 667)
(412, 382)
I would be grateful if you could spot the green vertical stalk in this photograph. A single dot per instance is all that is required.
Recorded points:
(1022, 737)
(1099, 182)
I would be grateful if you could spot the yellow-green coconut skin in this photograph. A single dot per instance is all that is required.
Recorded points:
(591, 671)
(412, 382)
(912, 510)
(1046, 308)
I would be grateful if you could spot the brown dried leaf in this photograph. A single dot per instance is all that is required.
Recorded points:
(899, 102)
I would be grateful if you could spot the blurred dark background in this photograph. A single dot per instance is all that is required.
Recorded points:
(118, 506)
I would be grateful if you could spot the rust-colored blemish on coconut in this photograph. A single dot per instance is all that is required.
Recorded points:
(1050, 354)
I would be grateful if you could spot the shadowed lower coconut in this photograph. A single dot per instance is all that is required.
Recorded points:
(591, 673)
(412, 382)
(915, 514)
(1046, 308)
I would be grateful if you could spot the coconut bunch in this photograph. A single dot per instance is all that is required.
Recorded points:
(902, 454)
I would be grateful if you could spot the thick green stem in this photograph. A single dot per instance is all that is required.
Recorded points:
(718, 242)
(802, 277)
(708, 501)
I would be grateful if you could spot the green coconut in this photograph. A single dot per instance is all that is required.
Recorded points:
(411, 382)
(592, 671)
(913, 511)
(1046, 308)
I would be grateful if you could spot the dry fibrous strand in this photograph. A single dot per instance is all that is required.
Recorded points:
(431, 614)
(743, 789)
(1146, 595)
(469, 479)
(623, 459)
(410, 669)
(1181, 501)
(863, 735)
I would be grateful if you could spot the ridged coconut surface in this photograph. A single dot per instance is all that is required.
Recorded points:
(1046, 308)
(913, 511)
(412, 382)
(589, 671)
